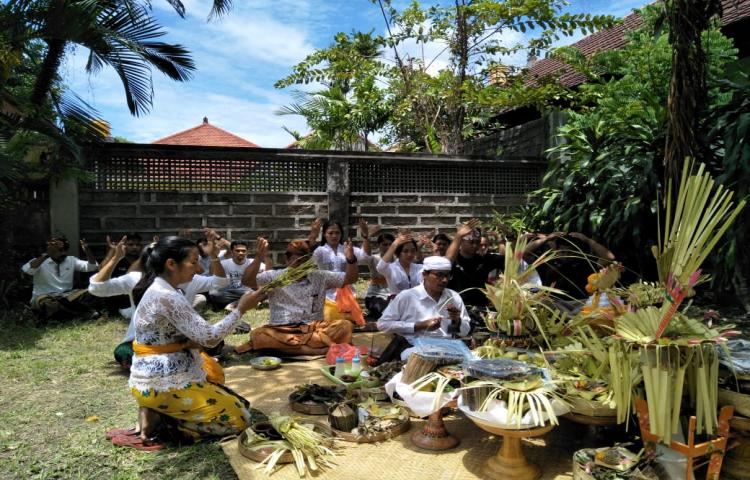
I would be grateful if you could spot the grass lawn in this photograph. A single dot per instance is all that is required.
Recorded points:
(62, 390)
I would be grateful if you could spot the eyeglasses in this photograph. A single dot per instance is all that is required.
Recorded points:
(441, 275)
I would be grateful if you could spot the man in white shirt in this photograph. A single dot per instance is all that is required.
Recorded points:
(429, 309)
(234, 268)
(54, 271)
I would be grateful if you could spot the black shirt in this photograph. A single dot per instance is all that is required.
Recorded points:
(472, 273)
(568, 274)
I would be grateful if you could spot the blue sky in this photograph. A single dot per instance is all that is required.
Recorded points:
(239, 57)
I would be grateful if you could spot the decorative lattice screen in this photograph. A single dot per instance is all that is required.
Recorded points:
(507, 178)
(193, 173)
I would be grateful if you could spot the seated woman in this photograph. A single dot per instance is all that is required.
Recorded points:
(377, 296)
(101, 285)
(402, 273)
(296, 324)
(168, 377)
(340, 303)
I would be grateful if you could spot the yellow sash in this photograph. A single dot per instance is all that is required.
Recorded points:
(214, 372)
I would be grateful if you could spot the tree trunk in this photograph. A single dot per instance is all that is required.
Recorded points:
(687, 20)
(48, 71)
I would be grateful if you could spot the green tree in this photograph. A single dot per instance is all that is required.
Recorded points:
(352, 106)
(43, 120)
(605, 176)
(444, 107)
(415, 106)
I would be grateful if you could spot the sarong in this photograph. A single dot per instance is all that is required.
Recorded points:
(201, 409)
(318, 334)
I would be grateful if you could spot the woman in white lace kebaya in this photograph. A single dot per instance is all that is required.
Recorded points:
(169, 377)
(399, 266)
(330, 256)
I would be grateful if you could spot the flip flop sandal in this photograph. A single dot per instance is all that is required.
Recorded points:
(118, 432)
(136, 442)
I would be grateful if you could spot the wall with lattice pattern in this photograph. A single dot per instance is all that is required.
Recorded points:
(246, 193)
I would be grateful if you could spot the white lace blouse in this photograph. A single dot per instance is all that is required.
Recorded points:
(399, 279)
(328, 259)
(165, 316)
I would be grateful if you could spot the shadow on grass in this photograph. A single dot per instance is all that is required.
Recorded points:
(202, 460)
(21, 329)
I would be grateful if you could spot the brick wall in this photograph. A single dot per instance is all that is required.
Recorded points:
(423, 212)
(193, 188)
(280, 217)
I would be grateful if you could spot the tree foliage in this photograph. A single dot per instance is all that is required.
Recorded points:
(607, 173)
(421, 106)
(42, 122)
(352, 105)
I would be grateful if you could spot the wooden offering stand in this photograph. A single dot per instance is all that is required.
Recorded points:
(434, 436)
(714, 448)
(510, 462)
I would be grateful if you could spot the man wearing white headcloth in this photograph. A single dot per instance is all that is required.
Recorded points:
(429, 309)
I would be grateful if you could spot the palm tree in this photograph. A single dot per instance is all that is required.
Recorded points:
(35, 36)
(115, 34)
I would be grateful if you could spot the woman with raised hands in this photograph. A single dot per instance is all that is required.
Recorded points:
(399, 266)
(330, 255)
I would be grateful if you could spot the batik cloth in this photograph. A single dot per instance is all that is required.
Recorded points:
(201, 409)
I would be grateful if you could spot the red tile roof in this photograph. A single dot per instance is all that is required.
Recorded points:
(613, 38)
(206, 135)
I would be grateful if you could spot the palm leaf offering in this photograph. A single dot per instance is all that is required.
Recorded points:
(306, 444)
(531, 396)
(434, 382)
(702, 213)
(521, 307)
(290, 275)
(672, 352)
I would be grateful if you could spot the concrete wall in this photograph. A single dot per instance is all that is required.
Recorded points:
(424, 212)
(279, 217)
(440, 191)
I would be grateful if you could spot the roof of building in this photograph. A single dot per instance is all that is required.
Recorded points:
(205, 135)
(613, 38)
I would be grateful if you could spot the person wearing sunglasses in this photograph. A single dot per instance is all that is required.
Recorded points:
(470, 269)
(296, 324)
(429, 309)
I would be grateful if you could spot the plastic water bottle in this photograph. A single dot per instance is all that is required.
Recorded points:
(356, 365)
(340, 368)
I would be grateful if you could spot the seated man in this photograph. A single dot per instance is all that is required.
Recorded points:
(578, 256)
(296, 325)
(471, 270)
(234, 267)
(429, 309)
(133, 246)
(53, 295)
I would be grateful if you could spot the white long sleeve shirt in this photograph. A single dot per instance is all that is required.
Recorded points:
(414, 305)
(52, 278)
(328, 259)
(399, 279)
